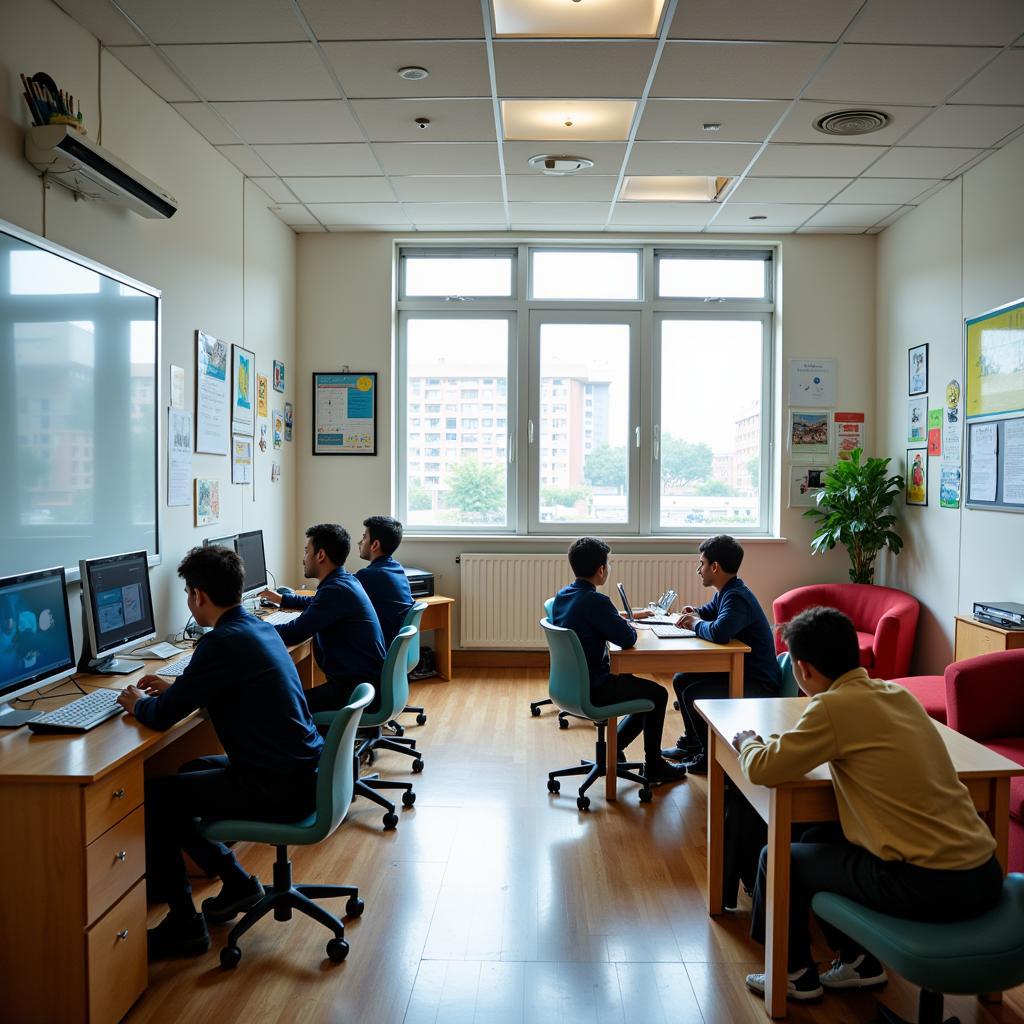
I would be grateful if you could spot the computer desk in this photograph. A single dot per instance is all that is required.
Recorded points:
(72, 858)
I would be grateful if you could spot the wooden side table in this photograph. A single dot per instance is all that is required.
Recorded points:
(974, 638)
(438, 617)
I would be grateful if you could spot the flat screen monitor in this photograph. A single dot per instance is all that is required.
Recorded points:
(250, 550)
(35, 637)
(118, 610)
(221, 542)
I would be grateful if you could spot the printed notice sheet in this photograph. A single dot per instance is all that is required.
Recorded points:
(212, 406)
(179, 457)
(1013, 462)
(345, 413)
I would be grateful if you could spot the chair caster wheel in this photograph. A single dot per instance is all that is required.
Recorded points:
(554, 785)
(354, 907)
(408, 799)
(337, 950)
(421, 719)
(535, 711)
(583, 803)
(399, 729)
(390, 821)
(675, 704)
(229, 957)
(645, 795)
(417, 765)
(563, 723)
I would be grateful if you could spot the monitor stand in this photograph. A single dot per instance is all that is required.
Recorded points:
(116, 667)
(13, 718)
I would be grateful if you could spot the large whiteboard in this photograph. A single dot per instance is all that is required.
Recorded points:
(79, 358)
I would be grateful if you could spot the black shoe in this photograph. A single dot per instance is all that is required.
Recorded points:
(698, 765)
(688, 743)
(178, 935)
(232, 901)
(661, 771)
(677, 754)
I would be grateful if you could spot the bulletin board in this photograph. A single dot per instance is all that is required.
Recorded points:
(1008, 464)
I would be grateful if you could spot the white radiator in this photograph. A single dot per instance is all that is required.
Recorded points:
(503, 595)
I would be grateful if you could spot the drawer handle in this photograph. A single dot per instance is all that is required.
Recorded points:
(122, 934)
(121, 855)
(119, 794)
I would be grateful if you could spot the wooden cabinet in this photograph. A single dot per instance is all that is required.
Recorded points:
(974, 638)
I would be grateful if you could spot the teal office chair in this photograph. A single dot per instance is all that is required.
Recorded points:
(536, 705)
(412, 618)
(569, 686)
(789, 687)
(334, 786)
(982, 954)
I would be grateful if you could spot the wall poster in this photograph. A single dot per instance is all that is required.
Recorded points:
(211, 395)
(345, 413)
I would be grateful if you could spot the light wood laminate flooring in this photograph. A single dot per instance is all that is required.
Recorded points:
(497, 903)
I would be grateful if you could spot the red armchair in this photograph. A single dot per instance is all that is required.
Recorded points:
(885, 620)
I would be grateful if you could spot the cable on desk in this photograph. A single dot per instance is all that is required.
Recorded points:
(41, 695)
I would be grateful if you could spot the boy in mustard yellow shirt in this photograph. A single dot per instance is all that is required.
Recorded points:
(909, 840)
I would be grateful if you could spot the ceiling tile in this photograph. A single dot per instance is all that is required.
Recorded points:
(791, 214)
(294, 213)
(755, 19)
(683, 120)
(370, 69)
(245, 160)
(829, 160)
(325, 160)
(451, 120)
(291, 121)
(207, 123)
(448, 189)
(438, 157)
(412, 19)
(787, 190)
(1001, 82)
(254, 71)
(275, 189)
(145, 63)
(849, 218)
(547, 188)
(967, 126)
(900, 211)
(895, 74)
(359, 213)
(341, 190)
(441, 214)
(102, 20)
(562, 70)
(744, 70)
(799, 123)
(937, 22)
(226, 21)
(921, 162)
(670, 216)
(886, 190)
(607, 156)
(556, 214)
(690, 158)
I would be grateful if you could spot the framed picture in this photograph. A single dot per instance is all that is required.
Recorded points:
(277, 419)
(917, 368)
(243, 391)
(345, 413)
(804, 484)
(917, 420)
(207, 501)
(810, 433)
(278, 376)
(917, 476)
(241, 460)
(261, 395)
(289, 420)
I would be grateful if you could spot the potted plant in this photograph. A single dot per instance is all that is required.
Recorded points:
(853, 509)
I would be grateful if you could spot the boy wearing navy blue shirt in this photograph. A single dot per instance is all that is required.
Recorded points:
(593, 618)
(384, 579)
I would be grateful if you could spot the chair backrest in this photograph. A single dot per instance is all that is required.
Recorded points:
(548, 605)
(394, 679)
(569, 678)
(412, 618)
(336, 774)
(788, 687)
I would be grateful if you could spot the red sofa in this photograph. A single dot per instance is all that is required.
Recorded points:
(885, 620)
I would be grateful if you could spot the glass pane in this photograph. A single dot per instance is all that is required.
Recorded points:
(581, 274)
(456, 460)
(726, 279)
(711, 425)
(430, 275)
(584, 423)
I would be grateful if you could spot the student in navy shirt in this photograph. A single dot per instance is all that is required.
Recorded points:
(593, 618)
(347, 641)
(732, 614)
(384, 579)
(242, 674)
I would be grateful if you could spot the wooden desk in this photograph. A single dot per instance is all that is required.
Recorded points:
(986, 774)
(438, 617)
(72, 856)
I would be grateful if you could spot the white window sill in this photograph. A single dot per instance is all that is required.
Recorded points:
(519, 540)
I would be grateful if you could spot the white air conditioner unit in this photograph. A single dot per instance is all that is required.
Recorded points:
(90, 171)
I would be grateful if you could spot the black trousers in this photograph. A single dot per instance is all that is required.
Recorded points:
(825, 861)
(614, 689)
(691, 687)
(334, 694)
(208, 789)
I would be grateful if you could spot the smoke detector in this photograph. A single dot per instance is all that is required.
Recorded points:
(852, 122)
(413, 74)
(559, 165)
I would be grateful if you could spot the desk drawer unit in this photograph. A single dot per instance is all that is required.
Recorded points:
(110, 799)
(114, 862)
(116, 957)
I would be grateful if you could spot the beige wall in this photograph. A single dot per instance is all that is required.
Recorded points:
(221, 246)
(956, 256)
(346, 317)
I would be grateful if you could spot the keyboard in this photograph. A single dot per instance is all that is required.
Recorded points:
(671, 632)
(175, 668)
(276, 618)
(80, 715)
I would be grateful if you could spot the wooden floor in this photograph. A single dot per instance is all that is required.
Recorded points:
(495, 903)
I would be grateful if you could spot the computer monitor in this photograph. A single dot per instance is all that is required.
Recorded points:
(117, 610)
(35, 638)
(250, 549)
(222, 542)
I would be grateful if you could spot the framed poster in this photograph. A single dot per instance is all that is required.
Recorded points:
(917, 369)
(207, 501)
(278, 375)
(804, 484)
(289, 420)
(277, 418)
(917, 420)
(243, 391)
(917, 476)
(812, 382)
(994, 382)
(345, 413)
(261, 395)
(241, 460)
(810, 433)
(211, 395)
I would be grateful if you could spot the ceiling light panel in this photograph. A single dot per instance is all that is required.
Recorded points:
(585, 19)
(568, 120)
(670, 189)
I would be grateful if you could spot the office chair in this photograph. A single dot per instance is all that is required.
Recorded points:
(569, 686)
(334, 787)
(412, 618)
(536, 705)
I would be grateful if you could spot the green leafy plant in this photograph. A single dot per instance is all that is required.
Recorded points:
(854, 510)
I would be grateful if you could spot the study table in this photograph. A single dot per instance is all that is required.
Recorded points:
(810, 799)
(72, 857)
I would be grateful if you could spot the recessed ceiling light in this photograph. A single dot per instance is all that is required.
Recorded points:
(569, 120)
(547, 18)
(671, 189)
(852, 122)
(413, 74)
(758, 216)
(559, 165)
(421, 122)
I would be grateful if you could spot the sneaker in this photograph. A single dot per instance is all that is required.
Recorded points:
(864, 972)
(232, 901)
(690, 744)
(677, 754)
(698, 765)
(661, 771)
(178, 935)
(802, 986)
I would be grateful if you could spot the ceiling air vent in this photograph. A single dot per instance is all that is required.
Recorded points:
(852, 122)
(560, 164)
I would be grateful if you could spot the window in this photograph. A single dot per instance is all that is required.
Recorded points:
(608, 398)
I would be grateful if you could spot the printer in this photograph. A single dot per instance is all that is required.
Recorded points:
(421, 582)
